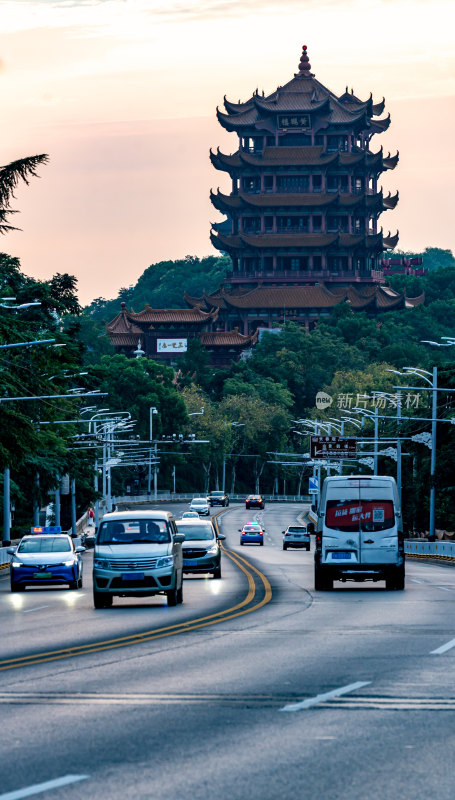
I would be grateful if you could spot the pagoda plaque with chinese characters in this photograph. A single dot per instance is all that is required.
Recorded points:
(171, 346)
(333, 447)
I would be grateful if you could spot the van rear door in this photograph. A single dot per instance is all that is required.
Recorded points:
(341, 539)
(378, 529)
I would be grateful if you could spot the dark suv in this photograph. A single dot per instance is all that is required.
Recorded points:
(218, 499)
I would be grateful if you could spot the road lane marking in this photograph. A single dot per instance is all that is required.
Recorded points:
(247, 701)
(414, 580)
(38, 788)
(443, 648)
(238, 610)
(443, 588)
(322, 698)
(29, 610)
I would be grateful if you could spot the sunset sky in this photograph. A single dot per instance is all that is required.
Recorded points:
(122, 95)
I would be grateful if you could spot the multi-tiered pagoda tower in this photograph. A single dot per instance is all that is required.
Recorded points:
(305, 199)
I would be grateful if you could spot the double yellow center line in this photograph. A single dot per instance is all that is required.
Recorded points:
(246, 606)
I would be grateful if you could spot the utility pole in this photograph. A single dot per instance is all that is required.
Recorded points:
(432, 532)
(6, 508)
(376, 440)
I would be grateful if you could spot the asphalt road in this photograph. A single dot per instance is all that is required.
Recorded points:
(274, 694)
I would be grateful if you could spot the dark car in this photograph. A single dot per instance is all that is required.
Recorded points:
(218, 499)
(254, 501)
(201, 548)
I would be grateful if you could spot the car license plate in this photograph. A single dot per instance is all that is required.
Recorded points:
(42, 575)
(133, 576)
(341, 555)
(188, 562)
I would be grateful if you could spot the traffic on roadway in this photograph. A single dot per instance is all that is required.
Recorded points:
(256, 685)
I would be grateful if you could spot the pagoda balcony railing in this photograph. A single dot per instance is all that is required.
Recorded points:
(307, 275)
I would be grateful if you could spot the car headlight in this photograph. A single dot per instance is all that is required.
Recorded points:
(16, 564)
(166, 561)
(213, 550)
(68, 563)
(101, 563)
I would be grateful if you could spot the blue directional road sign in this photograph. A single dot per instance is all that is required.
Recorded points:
(313, 485)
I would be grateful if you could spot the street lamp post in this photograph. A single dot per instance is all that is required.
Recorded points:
(434, 411)
(153, 410)
(432, 379)
(6, 508)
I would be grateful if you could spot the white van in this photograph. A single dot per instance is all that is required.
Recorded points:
(137, 553)
(359, 533)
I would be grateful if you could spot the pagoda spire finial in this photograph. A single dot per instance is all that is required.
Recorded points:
(304, 66)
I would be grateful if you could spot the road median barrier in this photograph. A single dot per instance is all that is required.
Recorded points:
(423, 549)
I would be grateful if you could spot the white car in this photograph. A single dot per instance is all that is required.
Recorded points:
(137, 554)
(200, 505)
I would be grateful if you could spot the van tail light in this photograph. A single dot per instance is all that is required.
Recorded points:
(319, 539)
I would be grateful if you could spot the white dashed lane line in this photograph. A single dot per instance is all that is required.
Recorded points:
(39, 788)
(440, 650)
(321, 698)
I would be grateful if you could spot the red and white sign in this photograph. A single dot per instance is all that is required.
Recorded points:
(356, 513)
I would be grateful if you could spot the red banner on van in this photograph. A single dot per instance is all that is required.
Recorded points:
(369, 514)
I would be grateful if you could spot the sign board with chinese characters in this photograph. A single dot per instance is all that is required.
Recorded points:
(333, 447)
(294, 121)
(171, 345)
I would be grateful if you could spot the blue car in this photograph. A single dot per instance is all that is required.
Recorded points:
(252, 533)
(45, 559)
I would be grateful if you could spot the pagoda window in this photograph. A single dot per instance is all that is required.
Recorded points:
(268, 224)
(332, 143)
(292, 224)
(358, 185)
(295, 139)
(344, 183)
(357, 225)
(317, 262)
(295, 263)
(251, 264)
(257, 144)
(339, 263)
(332, 183)
(268, 183)
(251, 183)
(293, 183)
(268, 262)
(251, 224)
(319, 140)
(270, 141)
(344, 143)
(317, 183)
(317, 223)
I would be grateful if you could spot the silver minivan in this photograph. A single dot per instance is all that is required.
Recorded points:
(137, 554)
(359, 532)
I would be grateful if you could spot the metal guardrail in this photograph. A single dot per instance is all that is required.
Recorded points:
(186, 498)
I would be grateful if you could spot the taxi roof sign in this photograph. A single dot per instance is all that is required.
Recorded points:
(46, 529)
